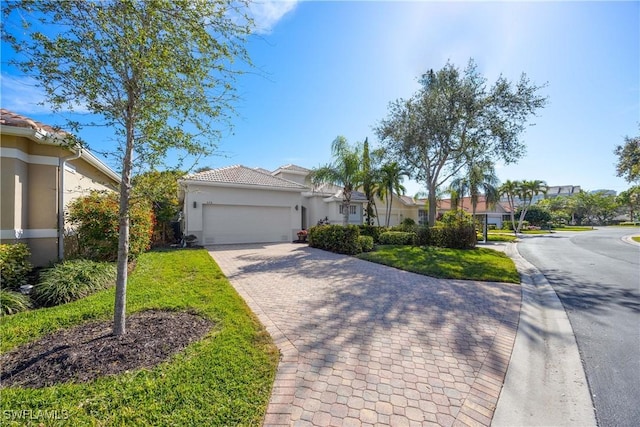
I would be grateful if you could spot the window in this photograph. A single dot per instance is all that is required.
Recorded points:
(352, 210)
(423, 217)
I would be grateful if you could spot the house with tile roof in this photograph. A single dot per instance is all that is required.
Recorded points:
(495, 214)
(238, 204)
(40, 174)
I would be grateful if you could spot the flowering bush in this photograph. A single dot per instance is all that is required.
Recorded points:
(95, 218)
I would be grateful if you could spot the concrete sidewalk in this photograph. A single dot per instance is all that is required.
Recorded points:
(364, 344)
(545, 383)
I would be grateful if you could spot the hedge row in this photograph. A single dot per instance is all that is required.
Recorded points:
(336, 238)
(460, 236)
(398, 238)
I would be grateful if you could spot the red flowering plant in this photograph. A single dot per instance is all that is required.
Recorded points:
(94, 219)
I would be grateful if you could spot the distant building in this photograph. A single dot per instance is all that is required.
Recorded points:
(552, 191)
(606, 192)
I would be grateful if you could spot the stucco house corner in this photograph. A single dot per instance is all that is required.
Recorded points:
(40, 175)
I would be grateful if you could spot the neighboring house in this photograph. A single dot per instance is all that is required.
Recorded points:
(238, 204)
(402, 207)
(323, 202)
(39, 177)
(495, 214)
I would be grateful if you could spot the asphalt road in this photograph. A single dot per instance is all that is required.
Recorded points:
(597, 278)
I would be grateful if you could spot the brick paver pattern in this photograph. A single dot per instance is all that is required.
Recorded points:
(363, 344)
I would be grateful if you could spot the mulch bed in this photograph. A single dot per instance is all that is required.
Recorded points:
(89, 351)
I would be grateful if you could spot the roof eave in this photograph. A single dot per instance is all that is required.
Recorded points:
(187, 182)
(47, 138)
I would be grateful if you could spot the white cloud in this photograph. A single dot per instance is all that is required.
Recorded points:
(24, 95)
(268, 13)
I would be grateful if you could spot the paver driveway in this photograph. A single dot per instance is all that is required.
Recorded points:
(365, 344)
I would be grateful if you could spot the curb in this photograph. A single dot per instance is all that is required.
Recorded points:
(545, 382)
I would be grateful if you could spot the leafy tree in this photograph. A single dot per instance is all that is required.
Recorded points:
(391, 177)
(595, 208)
(560, 209)
(161, 190)
(454, 118)
(537, 215)
(159, 73)
(630, 200)
(345, 171)
(628, 165)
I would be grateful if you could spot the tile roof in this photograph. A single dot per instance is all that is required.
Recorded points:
(9, 118)
(293, 168)
(465, 203)
(239, 174)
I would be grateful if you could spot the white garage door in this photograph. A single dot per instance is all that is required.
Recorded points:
(225, 224)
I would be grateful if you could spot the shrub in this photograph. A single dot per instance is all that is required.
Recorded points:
(13, 302)
(408, 222)
(456, 217)
(96, 219)
(405, 228)
(372, 230)
(14, 265)
(462, 236)
(366, 243)
(72, 280)
(335, 238)
(397, 238)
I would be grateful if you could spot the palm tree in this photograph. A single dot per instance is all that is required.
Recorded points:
(528, 190)
(391, 177)
(481, 179)
(511, 190)
(345, 171)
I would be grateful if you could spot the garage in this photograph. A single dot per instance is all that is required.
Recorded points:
(225, 224)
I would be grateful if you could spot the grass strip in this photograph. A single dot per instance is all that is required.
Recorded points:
(224, 379)
(469, 264)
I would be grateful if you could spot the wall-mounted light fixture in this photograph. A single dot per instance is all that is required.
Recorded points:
(195, 204)
(296, 207)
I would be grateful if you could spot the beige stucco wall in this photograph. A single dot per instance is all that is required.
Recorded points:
(295, 177)
(29, 199)
(399, 211)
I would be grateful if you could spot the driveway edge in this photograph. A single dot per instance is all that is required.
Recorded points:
(279, 407)
(545, 382)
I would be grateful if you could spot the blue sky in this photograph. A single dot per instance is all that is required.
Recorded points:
(331, 68)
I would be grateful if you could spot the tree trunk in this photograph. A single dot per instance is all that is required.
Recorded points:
(433, 203)
(119, 325)
(346, 205)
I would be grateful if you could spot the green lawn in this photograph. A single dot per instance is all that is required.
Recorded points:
(472, 264)
(636, 238)
(574, 228)
(498, 237)
(224, 379)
